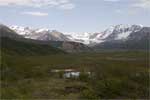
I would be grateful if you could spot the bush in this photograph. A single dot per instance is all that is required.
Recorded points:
(89, 94)
(84, 76)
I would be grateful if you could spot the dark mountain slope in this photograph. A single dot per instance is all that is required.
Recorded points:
(6, 32)
(12, 43)
(139, 40)
(71, 47)
(63, 45)
(11, 46)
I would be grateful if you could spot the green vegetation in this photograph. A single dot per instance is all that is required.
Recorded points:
(115, 75)
(14, 47)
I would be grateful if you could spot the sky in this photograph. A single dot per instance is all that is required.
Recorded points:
(74, 15)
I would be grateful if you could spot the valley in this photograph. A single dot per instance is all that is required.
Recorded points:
(47, 69)
(25, 77)
(117, 37)
(74, 50)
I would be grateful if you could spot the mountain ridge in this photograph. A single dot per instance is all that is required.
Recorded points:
(14, 44)
(115, 37)
(116, 32)
(66, 46)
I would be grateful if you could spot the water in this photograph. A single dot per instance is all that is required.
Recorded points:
(74, 74)
(70, 73)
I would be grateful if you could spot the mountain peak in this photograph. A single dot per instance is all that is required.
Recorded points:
(39, 33)
(116, 32)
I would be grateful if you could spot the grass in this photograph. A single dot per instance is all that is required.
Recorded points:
(16, 47)
(115, 75)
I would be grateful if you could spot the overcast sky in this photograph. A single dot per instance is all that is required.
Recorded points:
(74, 15)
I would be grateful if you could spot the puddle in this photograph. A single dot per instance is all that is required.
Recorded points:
(74, 74)
(62, 70)
(70, 73)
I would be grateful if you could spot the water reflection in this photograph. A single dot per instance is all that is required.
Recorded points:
(70, 73)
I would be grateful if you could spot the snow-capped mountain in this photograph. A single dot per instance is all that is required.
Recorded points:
(122, 31)
(135, 40)
(79, 37)
(118, 32)
(22, 30)
(39, 34)
(7, 32)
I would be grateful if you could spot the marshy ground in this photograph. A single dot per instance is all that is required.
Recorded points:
(114, 75)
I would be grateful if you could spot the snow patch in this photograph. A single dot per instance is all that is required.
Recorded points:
(123, 35)
(112, 33)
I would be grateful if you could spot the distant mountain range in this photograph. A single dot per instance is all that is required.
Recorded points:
(118, 32)
(14, 44)
(39, 34)
(112, 37)
(129, 37)
(11, 40)
(135, 38)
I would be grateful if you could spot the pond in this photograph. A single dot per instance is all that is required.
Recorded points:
(75, 74)
(70, 73)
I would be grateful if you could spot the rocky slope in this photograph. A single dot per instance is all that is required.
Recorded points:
(14, 44)
(118, 32)
(39, 34)
(135, 40)
(54, 38)
(119, 36)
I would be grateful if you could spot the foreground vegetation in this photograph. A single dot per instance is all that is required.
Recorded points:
(115, 75)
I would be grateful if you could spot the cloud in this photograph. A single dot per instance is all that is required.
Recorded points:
(119, 11)
(37, 3)
(112, 0)
(142, 4)
(40, 14)
(67, 6)
(134, 7)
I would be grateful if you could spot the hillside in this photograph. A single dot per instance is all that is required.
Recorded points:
(11, 46)
(127, 37)
(39, 34)
(139, 40)
(12, 43)
(7, 32)
(114, 75)
(72, 47)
